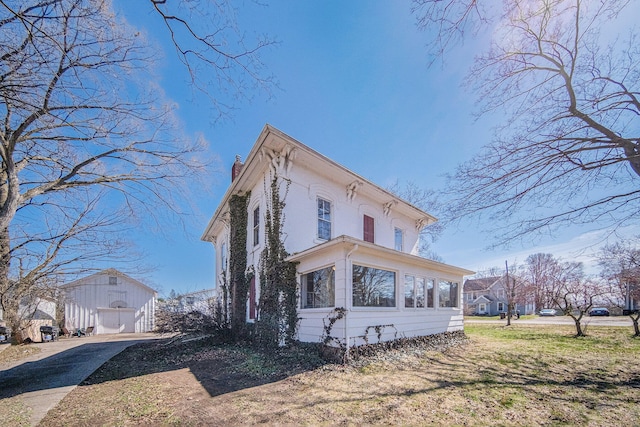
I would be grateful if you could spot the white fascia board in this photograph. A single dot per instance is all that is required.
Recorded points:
(347, 242)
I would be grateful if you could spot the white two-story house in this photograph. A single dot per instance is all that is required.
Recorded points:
(356, 245)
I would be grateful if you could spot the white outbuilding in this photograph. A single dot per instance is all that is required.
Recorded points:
(111, 302)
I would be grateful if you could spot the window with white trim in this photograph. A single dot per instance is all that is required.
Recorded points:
(256, 226)
(414, 291)
(318, 288)
(429, 286)
(398, 239)
(447, 294)
(324, 219)
(409, 291)
(373, 287)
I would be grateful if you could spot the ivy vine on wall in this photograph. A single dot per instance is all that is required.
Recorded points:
(278, 315)
(238, 281)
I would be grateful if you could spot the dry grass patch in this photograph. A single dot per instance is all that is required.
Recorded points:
(521, 375)
(11, 353)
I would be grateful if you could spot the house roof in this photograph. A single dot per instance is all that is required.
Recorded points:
(479, 284)
(486, 298)
(107, 272)
(349, 243)
(273, 140)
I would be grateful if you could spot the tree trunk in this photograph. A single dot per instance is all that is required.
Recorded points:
(636, 329)
(579, 332)
(8, 299)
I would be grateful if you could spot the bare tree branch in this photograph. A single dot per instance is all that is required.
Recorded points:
(87, 144)
(569, 151)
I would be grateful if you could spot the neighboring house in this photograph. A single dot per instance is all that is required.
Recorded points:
(631, 292)
(356, 245)
(35, 312)
(111, 302)
(487, 296)
(36, 308)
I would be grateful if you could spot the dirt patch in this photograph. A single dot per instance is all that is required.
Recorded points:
(538, 378)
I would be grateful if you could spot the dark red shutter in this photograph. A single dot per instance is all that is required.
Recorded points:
(368, 229)
(252, 299)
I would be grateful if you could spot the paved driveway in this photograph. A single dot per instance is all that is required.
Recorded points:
(41, 381)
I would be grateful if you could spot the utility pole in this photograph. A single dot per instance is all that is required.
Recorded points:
(508, 293)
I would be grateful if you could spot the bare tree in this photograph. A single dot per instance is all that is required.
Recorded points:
(88, 146)
(569, 151)
(512, 286)
(221, 60)
(575, 294)
(539, 272)
(620, 268)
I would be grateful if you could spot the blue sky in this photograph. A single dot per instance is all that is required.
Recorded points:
(354, 84)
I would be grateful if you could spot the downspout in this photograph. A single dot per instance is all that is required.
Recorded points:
(348, 304)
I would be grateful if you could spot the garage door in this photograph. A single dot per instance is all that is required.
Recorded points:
(115, 320)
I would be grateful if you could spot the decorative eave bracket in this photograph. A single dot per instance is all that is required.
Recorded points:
(280, 162)
(352, 190)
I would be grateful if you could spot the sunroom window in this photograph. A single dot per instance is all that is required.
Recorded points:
(447, 294)
(429, 291)
(318, 288)
(414, 292)
(373, 287)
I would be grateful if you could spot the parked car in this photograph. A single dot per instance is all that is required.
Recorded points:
(547, 312)
(599, 311)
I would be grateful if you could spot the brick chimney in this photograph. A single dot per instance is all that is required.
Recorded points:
(236, 168)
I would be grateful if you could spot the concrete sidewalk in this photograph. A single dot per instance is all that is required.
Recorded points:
(42, 380)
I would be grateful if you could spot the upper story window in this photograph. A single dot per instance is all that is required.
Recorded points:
(256, 226)
(113, 280)
(398, 239)
(318, 288)
(324, 219)
(368, 229)
(373, 287)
